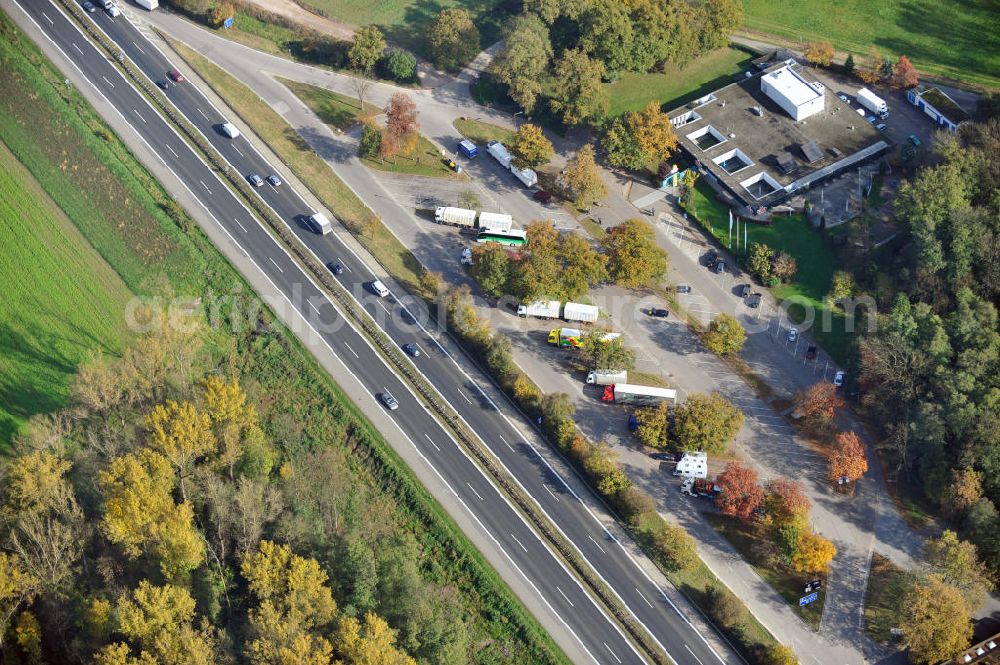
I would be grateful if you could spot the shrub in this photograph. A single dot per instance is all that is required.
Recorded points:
(399, 65)
(676, 547)
(724, 607)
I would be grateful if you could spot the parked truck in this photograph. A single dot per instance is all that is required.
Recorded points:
(873, 102)
(543, 309)
(566, 337)
(495, 221)
(692, 465)
(574, 311)
(468, 149)
(597, 377)
(700, 487)
(469, 219)
(500, 153)
(632, 395)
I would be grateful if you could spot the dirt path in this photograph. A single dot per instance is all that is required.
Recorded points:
(294, 12)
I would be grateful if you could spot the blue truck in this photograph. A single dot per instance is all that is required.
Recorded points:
(467, 148)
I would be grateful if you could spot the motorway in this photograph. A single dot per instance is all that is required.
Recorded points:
(559, 590)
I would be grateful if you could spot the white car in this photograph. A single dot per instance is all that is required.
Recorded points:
(389, 401)
(793, 334)
(838, 378)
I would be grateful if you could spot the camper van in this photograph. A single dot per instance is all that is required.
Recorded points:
(692, 465)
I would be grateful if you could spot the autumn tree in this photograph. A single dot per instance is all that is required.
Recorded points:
(848, 458)
(637, 139)
(370, 145)
(366, 49)
(370, 642)
(18, 587)
(578, 96)
(819, 53)
(233, 418)
(904, 74)
(606, 355)
(741, 493)
(653, 423)
(784, 266)
(676, 546)
(554, 265)
(401, 128)
(785, 501)
(529, 146)
(724, 607)
(491, 266)
(582, 178)
(602, 464)
(870, 69)
(706, 423)
(725, 335)
(760, 262)
(523, 60)
(957, 563)
(182, 435)
(963, 491)
(820, 403)
(935, 622)
(779, 654)
(634, 258)
(452, 39)
(814, 554)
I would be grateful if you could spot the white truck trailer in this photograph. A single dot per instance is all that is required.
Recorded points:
(543, 309)
(495, 221)
(574, 311)
(500, 153)
(873, 102)
(633, 395)
(598, 377)
(456, 216)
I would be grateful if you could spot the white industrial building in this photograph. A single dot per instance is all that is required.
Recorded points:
(793, 93)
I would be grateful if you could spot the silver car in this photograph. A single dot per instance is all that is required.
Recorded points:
(389, 401)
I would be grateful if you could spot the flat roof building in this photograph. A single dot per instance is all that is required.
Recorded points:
(791, 91)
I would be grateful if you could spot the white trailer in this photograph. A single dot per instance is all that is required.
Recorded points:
(148, 4)
(495, 221)
(598, 377)
(528, 177)
(632, 395)
(873, 102)
(574, 311)
(457, 216)
(543, 309)
(499, 153)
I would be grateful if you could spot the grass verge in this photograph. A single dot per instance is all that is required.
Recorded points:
(481, 133)
(887, 584)
(333, 108)
(758, 550)
(271, 360)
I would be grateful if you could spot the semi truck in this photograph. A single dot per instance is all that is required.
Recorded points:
(598, 377)
(500, 153)
(632, 395)
(543, 309)
(700, 487)
(574, 337)
(470, 219)
(574, 311)
(872, 102)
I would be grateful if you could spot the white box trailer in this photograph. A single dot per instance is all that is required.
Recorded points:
(543, 309)
(457, 216)
(574, 311)
(495, 221)
(632, 395)
(499, 153)
(873, 102)
(527, 177)
(598, 377)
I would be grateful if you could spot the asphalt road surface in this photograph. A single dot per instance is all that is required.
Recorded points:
(559, 590)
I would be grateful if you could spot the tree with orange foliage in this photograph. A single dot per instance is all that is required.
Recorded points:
(870, 70)
(848, 459)
(741, 493)
(904, 74)
(819, 53)
(820, 401)
(401, 127)
(786, 501)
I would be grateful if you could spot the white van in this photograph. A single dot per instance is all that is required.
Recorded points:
(229, 129)
(319, 223)
(466, 257)
(692, 465)
(112, 10)
(378, 288)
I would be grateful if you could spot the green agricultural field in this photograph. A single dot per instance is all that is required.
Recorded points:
(61, 300)
(959, 39)
(675, 86)
(404, 22)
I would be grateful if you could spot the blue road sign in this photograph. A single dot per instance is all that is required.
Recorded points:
(228, 23)
(805, 600)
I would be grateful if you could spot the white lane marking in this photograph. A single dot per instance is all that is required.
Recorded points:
(315, 308)
(47, 18)
(138, 47)
(352, 350)
(550, 492)
(275, 264)
(432, 441)
(205, 186)
(474, 491)
(598, 545)
(202, 113)
(139, 114)
(506, 444)
(239, 151)
(567, 599)
(519, 543)
(172, 151)
(107, 81)
(342, 264)
(77, 47)
(241, 226)
(613, 653)
(647, 602)
(380, 304)
(692, 653)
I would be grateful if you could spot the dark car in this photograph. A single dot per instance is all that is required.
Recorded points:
(683, 288)
(633, 423)
(175, 75)
(720, 266)
(811, 353)
(412, 349)
(335, 268)
(163, 83)
(659, 312)
(542, 196)
(710, 257)
(753, 300)
(89, 6)
(663, 457)
(743, 290)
